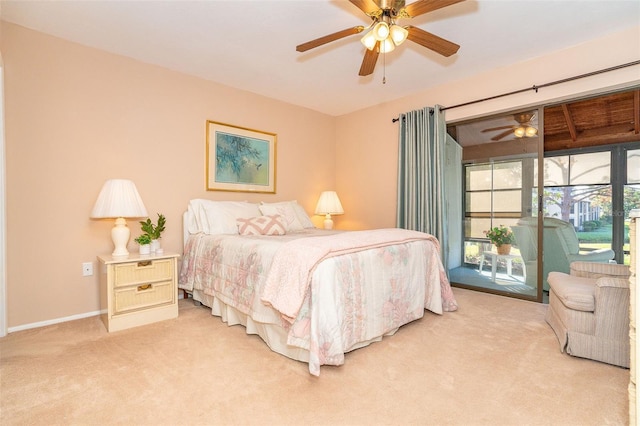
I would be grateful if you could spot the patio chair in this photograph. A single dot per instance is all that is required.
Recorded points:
(561, 247)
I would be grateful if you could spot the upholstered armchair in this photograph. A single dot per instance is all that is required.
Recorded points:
(561, 247)
(589, 311)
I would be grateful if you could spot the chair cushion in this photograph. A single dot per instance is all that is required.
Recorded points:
(575, 293)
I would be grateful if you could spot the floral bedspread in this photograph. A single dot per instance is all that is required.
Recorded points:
(352, 298)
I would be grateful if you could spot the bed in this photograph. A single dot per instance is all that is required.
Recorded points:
(310, 294)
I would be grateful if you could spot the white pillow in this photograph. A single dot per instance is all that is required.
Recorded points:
(286, 210)
(302, 215)
(261, 225)
(219, 217)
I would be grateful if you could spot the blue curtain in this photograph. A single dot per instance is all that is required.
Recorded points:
(422, 191)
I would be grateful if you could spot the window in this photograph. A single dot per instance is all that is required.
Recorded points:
(493, 196)
(577, 187)
(631, 198)
(595, 192)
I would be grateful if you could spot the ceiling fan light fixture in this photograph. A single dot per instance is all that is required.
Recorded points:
(381, 31)
(519, 131)
(530, 131)
(383, 34)
(398, 34)
(369, 40)
(387, 46)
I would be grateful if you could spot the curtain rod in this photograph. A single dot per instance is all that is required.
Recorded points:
(536, 87)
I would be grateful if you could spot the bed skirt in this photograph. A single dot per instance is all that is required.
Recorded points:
(272, 334)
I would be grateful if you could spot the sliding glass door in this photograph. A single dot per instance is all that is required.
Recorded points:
(562, 178)
(499, 156)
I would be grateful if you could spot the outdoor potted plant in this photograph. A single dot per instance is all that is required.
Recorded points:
(502, 237)
(154, 231)
(144, 241)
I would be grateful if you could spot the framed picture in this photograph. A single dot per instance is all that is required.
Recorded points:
(240, 159)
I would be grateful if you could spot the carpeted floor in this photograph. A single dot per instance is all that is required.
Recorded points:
(494, 362)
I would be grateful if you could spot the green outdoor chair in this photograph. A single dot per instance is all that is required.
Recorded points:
(561, 247)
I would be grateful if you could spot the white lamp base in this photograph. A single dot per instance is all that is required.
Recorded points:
(328, 223)
(120, 235)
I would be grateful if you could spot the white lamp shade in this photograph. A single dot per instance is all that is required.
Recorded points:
(398, 34)
(118, 198)
(530, 131)
(329, 203)
(381, 31)
(387, 46)
(519, 132)
(369, 40)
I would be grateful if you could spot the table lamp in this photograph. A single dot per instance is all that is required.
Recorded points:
(119, 199)
(329, 204)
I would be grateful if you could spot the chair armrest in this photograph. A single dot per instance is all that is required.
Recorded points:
(611, 309)
(597, 270)
(602, 255)
(603, 282)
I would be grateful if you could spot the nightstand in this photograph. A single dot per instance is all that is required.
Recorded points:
(138, 289)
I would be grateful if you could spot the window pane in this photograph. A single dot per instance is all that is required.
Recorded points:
(507, 201)
(478, 202)
(478, 177)
(590, 169)
(556, 171)
(475, 227)
(631, 201)
(579, 204)
(633, 166)
(507, 175)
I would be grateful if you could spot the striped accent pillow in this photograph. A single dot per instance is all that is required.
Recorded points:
(261, 225)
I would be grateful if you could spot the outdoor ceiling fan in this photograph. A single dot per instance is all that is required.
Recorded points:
(524, 128)
(385, 34)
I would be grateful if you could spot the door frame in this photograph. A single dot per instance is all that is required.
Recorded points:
(3, 213)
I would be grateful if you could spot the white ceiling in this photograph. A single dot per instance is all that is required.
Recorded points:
(251, 44)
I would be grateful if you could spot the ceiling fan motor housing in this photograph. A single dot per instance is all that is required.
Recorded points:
(395, 5)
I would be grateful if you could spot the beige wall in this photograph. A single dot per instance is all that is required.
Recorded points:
(367, 156)
(76, 116)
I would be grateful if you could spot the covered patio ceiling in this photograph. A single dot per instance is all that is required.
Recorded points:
(605, 119)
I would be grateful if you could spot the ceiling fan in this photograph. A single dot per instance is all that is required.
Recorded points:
(524, 128)
(384, 34)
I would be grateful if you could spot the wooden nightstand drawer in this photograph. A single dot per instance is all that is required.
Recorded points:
(143, 271)
(143, 296)
(137, 290)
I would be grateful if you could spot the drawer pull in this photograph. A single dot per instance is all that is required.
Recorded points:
(144, 287)
(144, 263)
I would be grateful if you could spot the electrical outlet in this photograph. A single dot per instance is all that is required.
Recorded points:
(87, 269)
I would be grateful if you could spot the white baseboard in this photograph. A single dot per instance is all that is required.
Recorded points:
(59, 320)
(53, 321)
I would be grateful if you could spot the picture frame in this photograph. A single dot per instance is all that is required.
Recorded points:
(240, 159)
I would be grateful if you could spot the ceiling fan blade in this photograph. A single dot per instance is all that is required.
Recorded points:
(432, 41)
(367, 6)
(502, 135)
(329, 38)
(421, 7)
(493, 129)
(369, 60)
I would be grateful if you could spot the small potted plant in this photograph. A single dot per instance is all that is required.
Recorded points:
(154, 231)
(145, 243)
(502, 237)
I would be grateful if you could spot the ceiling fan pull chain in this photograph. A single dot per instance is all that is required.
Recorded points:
(384, 67)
